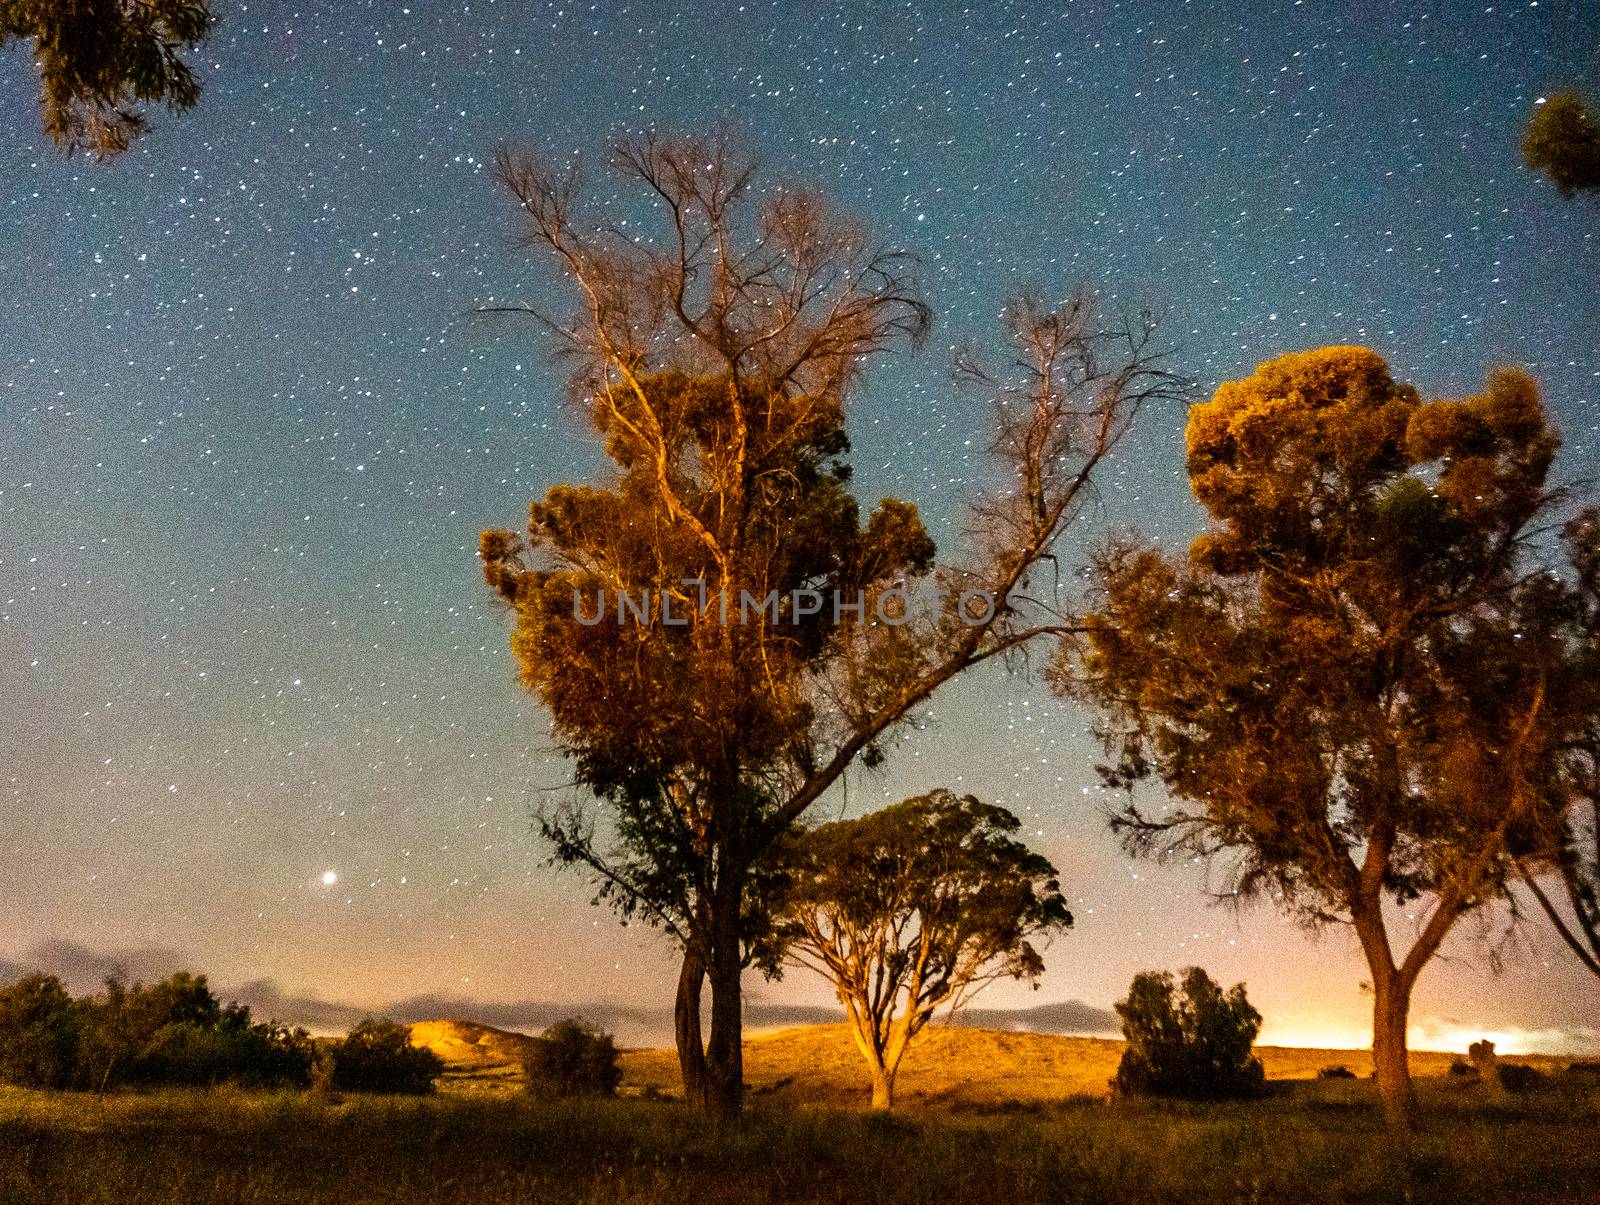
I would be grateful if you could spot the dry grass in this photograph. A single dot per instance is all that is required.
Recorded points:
(948, 1067)
(1310, 1142)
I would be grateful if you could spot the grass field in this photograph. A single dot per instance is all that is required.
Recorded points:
(984, 1116)
(1312, 1141)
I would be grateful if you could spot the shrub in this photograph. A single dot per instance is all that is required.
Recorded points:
(377, 1056)
(1519, 1077)
(1339, 1072)
(1463, 1069)
(1191, 1042)
(38, 1033)
(172, 1032)
(573, 1059)
(260, 1056)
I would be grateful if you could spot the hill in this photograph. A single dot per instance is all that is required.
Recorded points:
(476, 1056)
(946, 1067)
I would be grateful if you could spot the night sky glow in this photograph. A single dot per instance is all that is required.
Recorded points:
(260, 715)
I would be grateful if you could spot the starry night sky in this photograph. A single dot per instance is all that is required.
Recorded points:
(249, 432)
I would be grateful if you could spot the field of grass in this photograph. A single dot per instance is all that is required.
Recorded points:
(1310, 1141)
(983, 1116)
(953, 1067)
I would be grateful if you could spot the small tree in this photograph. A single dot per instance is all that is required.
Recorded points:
(38, 1033)
(573, 1059)
(915, 907)
(99, 60)
(127, 1028)
(1191, 1041)
(377, 1056)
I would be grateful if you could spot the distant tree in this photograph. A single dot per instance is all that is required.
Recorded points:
(172, 1032)
(1333, 685)
(124, 1027)
(377, 1056)
(100, 60)
(235, 1050)
(573, 1059)
(1562, 142)
(38, 1033)
(716, 365)
(1191, 1042)
(912, 908)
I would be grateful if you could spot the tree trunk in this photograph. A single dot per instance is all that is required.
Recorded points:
(686, 1027)
(882, 1087)
(724, 1082)
(1391, 1007)
(1390, 1010)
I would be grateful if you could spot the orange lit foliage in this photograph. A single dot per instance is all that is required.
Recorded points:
(717, 362)
(1332, 684)
(100, 60)
(1562, 142)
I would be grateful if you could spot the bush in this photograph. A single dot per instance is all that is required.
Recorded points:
(377, 1056)
(172, 1032)
(1519, 1077)
(573, 1059)
(1193, 1043)
(1338, 1072)
(38, 1033)
(258, 1056)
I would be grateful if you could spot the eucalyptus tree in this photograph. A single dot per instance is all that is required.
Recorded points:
(717, 631)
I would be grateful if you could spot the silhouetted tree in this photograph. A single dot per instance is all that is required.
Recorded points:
(573, 1059)
(716, 365)
(100, 60)
(1331, 685)
(1191, 1042)
(377, 1056)
(912, 908)
(172, 1032)
(38, 1033)
(1562, 142)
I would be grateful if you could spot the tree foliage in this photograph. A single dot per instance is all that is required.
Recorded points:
(38, 1033)
(377, 1056)
(1559, 627)
(1562, 143)
(913, 908)
(1190, 1041)
(716, 363)
(171, 1032)
(1335, 685)
(573, 1059)
(99, 61)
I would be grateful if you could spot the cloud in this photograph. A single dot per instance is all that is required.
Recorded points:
(1453, 1033)
(83, 970)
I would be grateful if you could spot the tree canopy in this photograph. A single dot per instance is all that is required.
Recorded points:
(780, 642)
(101, 61)
(1562, 143)
(913, 908)
(1333, 685)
